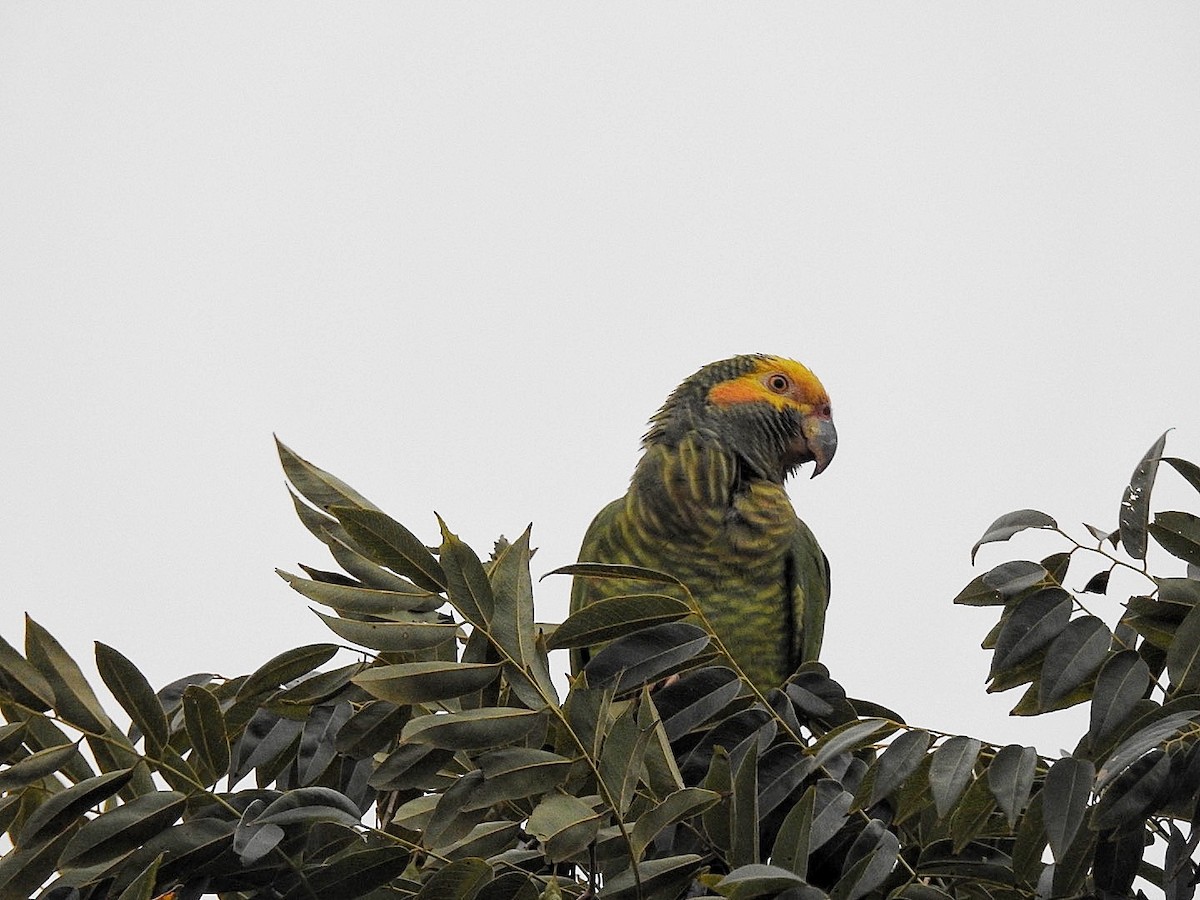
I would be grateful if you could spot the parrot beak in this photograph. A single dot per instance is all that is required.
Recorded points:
(820, 438)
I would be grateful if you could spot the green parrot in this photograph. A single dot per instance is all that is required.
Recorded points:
(707, 505)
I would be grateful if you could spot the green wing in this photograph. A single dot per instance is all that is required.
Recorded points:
(810, 595)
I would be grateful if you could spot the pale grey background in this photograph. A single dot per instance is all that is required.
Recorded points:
(459, 253)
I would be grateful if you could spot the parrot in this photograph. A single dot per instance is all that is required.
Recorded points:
(707, 505)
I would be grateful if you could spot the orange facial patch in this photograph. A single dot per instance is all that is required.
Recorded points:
(804, 390)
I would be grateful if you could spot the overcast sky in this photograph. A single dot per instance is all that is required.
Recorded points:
(459, 253)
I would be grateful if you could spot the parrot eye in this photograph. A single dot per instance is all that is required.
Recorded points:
(778, 383)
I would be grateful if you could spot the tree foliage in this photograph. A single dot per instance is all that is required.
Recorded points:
(441, 761)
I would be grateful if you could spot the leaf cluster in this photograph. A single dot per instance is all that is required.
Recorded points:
(441, 761)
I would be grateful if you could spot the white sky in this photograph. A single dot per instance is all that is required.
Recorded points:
(458, 254)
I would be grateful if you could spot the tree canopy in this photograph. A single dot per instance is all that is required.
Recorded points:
(441, 762)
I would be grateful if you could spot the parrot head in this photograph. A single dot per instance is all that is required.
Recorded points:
(771, 412)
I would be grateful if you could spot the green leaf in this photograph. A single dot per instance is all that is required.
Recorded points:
(513, 628)
(1135, 504)
(318, 486)
(616, 617)
(298, 700)
(564, 824)
(465, 580)
(1072, 657)
(420, 682)
(73, 696)
(142, 887)
(36, 766)
(901, 758)
(1012, 523)
(781, 769)
(642, 658)
(1065, 796)
(459, 880)
(1179, 534)
(849, 737)
(950, 769)
(1122, 682)
(1010, 778)
(1189, 470)
(514, 773)
(696, 699)
(22, 680)
(1183, 655)
(971, 814)
(391, 636)
(978, 593)
(1013, 578)
(615, 570)
(120, 830)
(743, 810)
(205, 725)
(1034, 623)
(386, 542)
(283, 668)
(472, 729)
(621, 757)
(665, 877)
(356, 873)
(308, 805)
(676, 807)
(56, 812)
(762, 880)
(371, 729)
(361, 601)
(131, 689)
(1142, 741)
(1134, 793)
(869, 862)
(23, 871)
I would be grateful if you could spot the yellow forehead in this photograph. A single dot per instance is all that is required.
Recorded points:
(754, 387)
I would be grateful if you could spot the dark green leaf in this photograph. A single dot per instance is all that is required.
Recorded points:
(74, 699)
(472, 729)
(759, 880)
(743, 810)
(616, 617)
(120, 830)
(868, 863)
(391, 636)
(950, 769)
(1118, 855)
(361, 601)
(1179, 534)
(970, 817)
(1064, 801)
(459, 880)
(22, 680)
(131, 689)
(638, 659)
(1072, 657)
(1141, 742)
(205, 725)
(465, 580)
(1135, 504)
(1134, 793)
(513, 627)
(56, 812)
(977, 593)
(1010, 778)
(321, 488)
(1012, 523)
(419, 682)
(1012, 578)
(1035, 621)
(1183, 656)
(23, 871)
(851, 736)
(310, 804)
(1121, 683)
(410, 766)
(621, 757)
(695, 699)
(1098, 583)
(517, 772)
(665, 877)
(781, 769)
(386, 542)
(354, 874)
(371, 728)
(142, 887)
(283, 668)
(896, 763)
(36, 766)
(676, 807)
(565, 825)
(613, 570)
